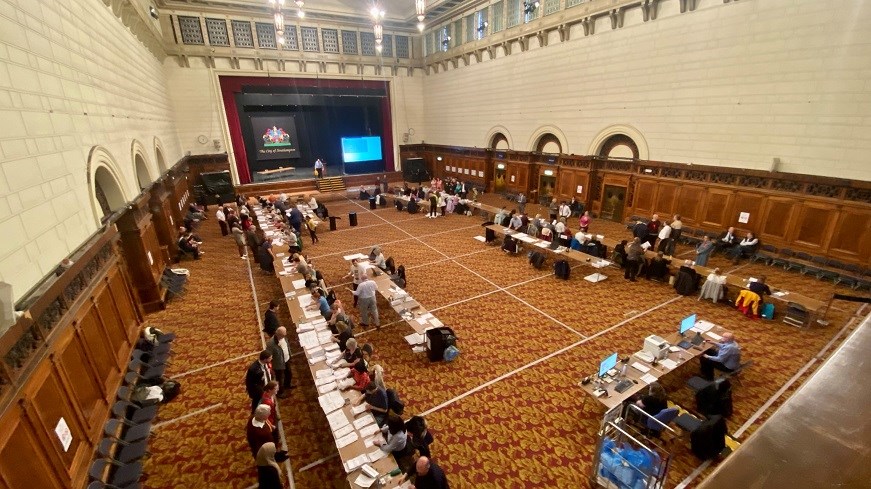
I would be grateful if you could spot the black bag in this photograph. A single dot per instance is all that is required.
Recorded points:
(561, 269)
(394, 402)
(537, 259)
(709, 439)
(489, 235)
(398, 204)
(715, 399)
(171, 389)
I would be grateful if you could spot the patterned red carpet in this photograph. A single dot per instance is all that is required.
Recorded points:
(507, 412)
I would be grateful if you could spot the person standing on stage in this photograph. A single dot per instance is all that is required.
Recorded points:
(319, 168)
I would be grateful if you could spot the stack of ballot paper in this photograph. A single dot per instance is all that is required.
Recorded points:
(331, 401)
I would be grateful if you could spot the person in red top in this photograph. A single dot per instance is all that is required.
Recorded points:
(268, 399)
(653, 228)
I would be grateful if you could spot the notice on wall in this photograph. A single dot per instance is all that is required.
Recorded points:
(481, 173)
(150, 259)
(447, 167)
(744, 217)
(466, 171)
(580, 189)
(454, 169)
(64, 434)
(512, 178)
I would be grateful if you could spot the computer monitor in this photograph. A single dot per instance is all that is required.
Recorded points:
(687, 324)
(607, 364)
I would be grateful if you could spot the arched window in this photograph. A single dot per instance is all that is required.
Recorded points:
(108, 192)
(499, 141)
(619, 146)
(548, 143)
(142, 175)
(158, 155)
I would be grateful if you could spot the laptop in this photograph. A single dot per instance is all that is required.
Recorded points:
(696, 341)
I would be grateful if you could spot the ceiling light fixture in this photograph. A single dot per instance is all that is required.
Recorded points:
(420, 9)
(379, 33)
(278, 19)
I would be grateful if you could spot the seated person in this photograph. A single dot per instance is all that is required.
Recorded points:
(187, 243)
(499, 218)
(619, 255)
(413, 206)
(319, 302)
(656, 268)
(727, 240)
(343, 334)
(515, 221)
(360, 374)
(654, 401)
(724, 356)
(420, 437)
(713, 287)
(397, 441)
(377, 258)
(760, 288)
(745, 249)
(509, 245)
(376, 402)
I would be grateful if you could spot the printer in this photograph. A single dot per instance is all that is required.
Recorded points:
(656, 347)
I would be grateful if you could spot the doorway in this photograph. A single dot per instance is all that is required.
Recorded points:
(499, 179)
(612, 203)
(546, 183)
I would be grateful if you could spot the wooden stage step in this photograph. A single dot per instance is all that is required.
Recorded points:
(331, 184)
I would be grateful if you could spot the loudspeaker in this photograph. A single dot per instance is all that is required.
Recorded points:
(414, 170)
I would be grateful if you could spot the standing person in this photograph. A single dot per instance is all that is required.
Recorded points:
(564, 211)
(554, 209)
(521, 203)
(295, 219)
(319, 168)
(265, 256)
(258, 375)
(634, 255)
(676, 228)
(366, 300)
(584, 222)
(270, 319)
(666, 244)
(433, 204)
(653, 230)
(270, 392)
(281, 361)
(222, 221)
(239, 237)
(355, 273)
(703, 251)
(311, 225)
(259, 430)
(427, 475)
(268, 471)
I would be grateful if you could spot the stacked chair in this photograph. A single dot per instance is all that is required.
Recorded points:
(118, 463)
(173, 282)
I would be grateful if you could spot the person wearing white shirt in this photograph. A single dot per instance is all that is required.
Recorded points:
(222, 221)
(565, 211)
(745, 248)
(313, 203)
(666, 244)
(365, 294)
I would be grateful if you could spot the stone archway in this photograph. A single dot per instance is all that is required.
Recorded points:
(158, 155)
(499, 138)
(620, 141)
(105, 185)
(548, 139)
(548, 143)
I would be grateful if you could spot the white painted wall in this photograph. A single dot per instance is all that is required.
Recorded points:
(197, 104)
(71, 77)
(732, 84)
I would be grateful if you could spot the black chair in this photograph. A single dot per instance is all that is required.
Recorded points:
(795, 265)
(144, 372)
(688, 422)
(816, 267)
(133, 414)
(122, 453)
(117, 430)
(796, 314)
(766, 253)
(122, 475)
(783, 258)
(151, 358)
(103, 485)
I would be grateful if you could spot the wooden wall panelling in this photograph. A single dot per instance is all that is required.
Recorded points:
(814, 224)
(851, 235)
(645, 197)
(750, 202)
(159, 206)
(48, 404)
(79, 376)
(598, 183)
(717, 209)
(666, 199)
(689, 203)
(777, 213)
(19, 442)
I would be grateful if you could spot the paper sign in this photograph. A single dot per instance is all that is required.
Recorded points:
(744, 217)
(481, 173)
(447, 167)
(466, 171)
(512, 178)
(63, 434)
(580, 189)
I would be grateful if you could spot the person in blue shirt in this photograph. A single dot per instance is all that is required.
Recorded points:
(320, 302)
(725, 356)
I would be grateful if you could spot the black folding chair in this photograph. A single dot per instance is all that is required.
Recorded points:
(121, 475)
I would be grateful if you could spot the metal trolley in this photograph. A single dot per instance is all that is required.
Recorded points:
(625, 458)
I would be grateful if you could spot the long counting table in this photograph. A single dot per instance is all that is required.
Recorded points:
(636, 367)
(297, 297)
